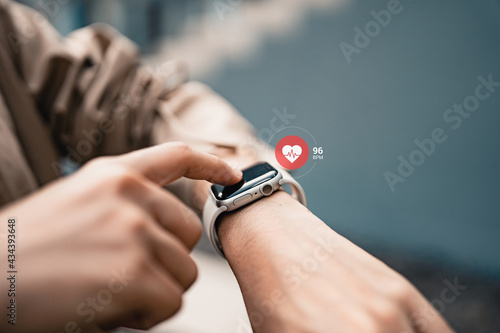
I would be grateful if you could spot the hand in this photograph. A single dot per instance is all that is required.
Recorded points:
(298, 275)
(108, 247)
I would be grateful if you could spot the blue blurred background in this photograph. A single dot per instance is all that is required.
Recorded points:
(265, 55)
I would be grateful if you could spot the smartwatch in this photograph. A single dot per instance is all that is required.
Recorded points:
(260, 180)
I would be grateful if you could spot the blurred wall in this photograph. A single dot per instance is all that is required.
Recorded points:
(368, 112)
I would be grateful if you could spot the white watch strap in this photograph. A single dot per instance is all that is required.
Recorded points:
(297, 190)
(210, 214)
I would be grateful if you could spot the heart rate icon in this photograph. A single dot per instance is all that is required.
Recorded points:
(292, 153)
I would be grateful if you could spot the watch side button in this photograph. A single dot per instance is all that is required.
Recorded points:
(243, 200)
(266, 189)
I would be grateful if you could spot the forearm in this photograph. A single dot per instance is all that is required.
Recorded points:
(266, 245)
(296, 275)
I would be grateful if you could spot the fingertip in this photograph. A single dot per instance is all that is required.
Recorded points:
(238, 174)
(234, 176)
(230, 174)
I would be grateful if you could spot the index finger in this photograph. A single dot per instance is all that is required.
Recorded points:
(167, 162)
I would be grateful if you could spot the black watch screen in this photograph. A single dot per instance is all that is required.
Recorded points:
(252, 177)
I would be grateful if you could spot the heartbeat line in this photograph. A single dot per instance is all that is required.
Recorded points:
(292, 154)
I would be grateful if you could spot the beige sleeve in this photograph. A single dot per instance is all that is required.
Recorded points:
(99, 100)
(89, 86)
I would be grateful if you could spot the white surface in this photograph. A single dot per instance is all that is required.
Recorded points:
(213, 304)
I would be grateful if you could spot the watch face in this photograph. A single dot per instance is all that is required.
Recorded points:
(252, 177)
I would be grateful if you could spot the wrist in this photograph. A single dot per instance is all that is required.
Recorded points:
(267, 225)
(242, 228)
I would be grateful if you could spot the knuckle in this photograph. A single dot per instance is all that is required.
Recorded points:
(147, 323)
(113, 176)
(122, 180)
(192, 274)
(150, 321)
(192, 226)
(361, 320)
(171, 298)
(197, 231)
(176, 301)
(386, 313)
(184, 151)
(181, 147)
(132, 221)
(98, 162)
(398, 291)
(370, 319)
(193, 237)
(371, 325)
